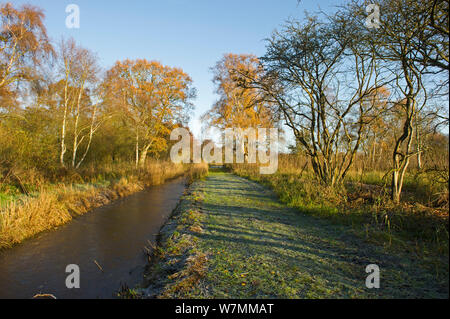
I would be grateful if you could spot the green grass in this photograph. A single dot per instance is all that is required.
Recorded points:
(256, 247)
(5, 198)
(370, 213)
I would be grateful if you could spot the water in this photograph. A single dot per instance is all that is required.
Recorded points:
(113, 235)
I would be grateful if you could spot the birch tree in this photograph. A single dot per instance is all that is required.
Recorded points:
(24, 45)
(72, 96)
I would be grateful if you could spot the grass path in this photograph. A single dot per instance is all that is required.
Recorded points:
(259, 248)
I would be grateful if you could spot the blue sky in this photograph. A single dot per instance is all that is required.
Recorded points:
(191, 34)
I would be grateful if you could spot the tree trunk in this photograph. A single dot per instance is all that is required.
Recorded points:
(67, 66)
(397, 181)
(63, 129)
(395, 193)
(75, 129)
(144, 156)
(137, 148)
(418, 148)
(419, 158)
(374, 149)
(401, 161)
(63, 137)
(91, 134)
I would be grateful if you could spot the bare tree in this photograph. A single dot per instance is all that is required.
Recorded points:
(321, 79)
(402, 28)
(412, 44)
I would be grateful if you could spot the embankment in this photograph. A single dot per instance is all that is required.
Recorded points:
(53, 207)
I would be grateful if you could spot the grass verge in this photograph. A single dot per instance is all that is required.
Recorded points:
(177, 264)
(232, 238)
(410, 225)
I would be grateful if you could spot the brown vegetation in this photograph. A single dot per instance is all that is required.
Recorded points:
(57, 205)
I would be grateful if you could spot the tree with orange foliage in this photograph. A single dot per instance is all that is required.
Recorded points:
(240, 105)
(23, 45)
(153, 99)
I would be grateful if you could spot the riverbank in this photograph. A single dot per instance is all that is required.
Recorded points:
(107, 244)
(232, 238)
(58, 204)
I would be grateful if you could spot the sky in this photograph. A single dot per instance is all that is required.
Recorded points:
(192, 35)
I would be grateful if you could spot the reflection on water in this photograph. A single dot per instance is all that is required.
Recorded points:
(113, 235)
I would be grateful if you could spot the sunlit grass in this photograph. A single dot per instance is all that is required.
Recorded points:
(364, 203)
(253, 246)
